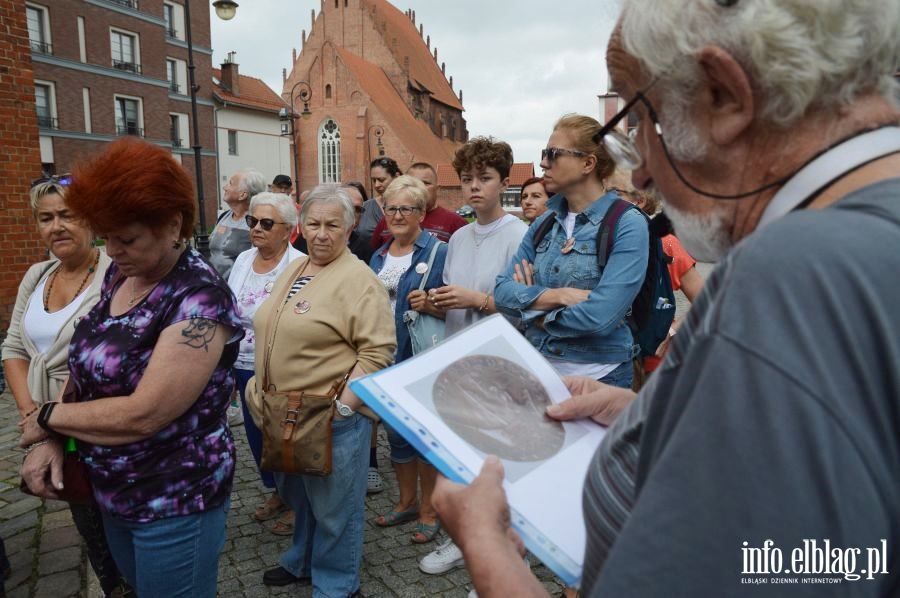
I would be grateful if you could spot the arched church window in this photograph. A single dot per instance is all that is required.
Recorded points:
(329, 152)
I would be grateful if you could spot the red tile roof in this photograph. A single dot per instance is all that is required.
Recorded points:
(424, 72)
(417, 138)
(254, 94)
(518, 174)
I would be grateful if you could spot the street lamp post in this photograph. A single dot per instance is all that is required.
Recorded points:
(225, 10)
(304, 95)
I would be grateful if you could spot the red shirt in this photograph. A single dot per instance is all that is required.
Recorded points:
(440, 222)
(681, 263)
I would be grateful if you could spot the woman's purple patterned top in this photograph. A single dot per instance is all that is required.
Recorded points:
(188, 466)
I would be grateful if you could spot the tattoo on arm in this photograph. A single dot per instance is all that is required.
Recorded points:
(199, 332)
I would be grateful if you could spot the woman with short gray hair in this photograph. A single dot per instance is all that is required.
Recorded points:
(271, 219)
(328, 315)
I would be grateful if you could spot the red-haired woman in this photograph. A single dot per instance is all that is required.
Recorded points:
(152, 362)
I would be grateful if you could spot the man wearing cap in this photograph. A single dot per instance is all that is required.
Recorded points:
(281, 184)
(771, 129)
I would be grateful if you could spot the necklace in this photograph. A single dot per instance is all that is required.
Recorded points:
(486, 230)
(136, 296)
(84, 280)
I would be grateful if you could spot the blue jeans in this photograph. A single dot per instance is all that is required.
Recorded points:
(328, 513)
(175, 556)
(622, 376)
(401, 450)
(254, 435)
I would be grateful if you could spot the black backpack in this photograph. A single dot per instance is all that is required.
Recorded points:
(653, 309)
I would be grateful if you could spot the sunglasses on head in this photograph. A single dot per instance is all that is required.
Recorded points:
(265, 223)
(62, 180)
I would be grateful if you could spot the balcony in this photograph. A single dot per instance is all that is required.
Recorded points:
(171, 33)
(176, 142)
(47, 122)
(41, 47)
(174, 87)
(131, 67)
(129, 129)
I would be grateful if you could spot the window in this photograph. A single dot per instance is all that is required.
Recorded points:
(172, 75)
(123, 48)
(328, 92)
(38, 31)
(232, 143)
(632, 122)
(175, 131)
(510, 198)
(128, 3)
(128, 117)
(169, 16)
(329, 152)
(44, 105)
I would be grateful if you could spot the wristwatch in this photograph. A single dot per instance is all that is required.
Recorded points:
(342, 409)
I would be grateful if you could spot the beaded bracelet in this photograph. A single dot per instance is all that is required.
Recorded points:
(31, 446)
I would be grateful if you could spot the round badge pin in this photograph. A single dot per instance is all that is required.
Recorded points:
(269, 286)
(421, 268)
(301, 307)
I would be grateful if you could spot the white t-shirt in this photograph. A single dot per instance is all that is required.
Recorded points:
(42, 327)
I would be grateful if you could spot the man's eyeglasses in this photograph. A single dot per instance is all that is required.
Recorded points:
(265, 223)
(405, 210)
(62, 180)
(550, 154)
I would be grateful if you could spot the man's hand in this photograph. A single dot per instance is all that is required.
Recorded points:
(591, 399)
(42, 469)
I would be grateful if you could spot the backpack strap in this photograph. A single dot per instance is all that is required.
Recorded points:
(222, 217)
(434, 250)
(606, 232)
(544, 227)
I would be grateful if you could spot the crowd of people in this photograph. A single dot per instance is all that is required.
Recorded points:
(771, 415)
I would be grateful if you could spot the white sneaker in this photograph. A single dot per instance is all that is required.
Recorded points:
(235, 415)
(445, 557)
(374, 483)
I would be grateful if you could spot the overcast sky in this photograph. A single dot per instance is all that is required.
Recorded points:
(520, 63)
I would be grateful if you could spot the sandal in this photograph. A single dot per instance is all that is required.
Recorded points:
(272, 508)
(397, 517)
(284, 525)
(425, 532)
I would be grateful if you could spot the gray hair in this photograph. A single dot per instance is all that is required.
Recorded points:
(416, 189)
(252, 182)
(330, 194)
(800, 54)
(282, 203)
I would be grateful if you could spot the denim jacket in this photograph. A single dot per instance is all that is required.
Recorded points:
(595, 330)
(410, 282)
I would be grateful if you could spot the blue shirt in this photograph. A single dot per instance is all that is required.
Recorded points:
(595, 330)
(410, 281)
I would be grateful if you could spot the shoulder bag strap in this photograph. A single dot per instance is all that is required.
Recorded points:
(270, 324)
(434, 250)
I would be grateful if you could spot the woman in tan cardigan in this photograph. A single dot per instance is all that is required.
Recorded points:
(331, 314)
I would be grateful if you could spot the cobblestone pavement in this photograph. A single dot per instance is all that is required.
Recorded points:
(48, 560)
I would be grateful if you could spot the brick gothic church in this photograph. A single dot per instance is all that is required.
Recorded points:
(374, 87)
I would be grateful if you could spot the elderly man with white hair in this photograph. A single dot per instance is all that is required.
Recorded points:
(230, 236)
(771, 128)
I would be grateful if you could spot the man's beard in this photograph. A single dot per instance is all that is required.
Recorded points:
(703, 235)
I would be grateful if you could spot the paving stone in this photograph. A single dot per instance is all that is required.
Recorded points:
(64, 559)
(19, 507)
(56, 520)
(59, 585)
(62, 537)
(14, 526)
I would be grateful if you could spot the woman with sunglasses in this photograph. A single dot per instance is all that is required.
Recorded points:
(152, 365)
(383, 171)
(271, 218)
(401, 263)
(574, 312)
(53, 296)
